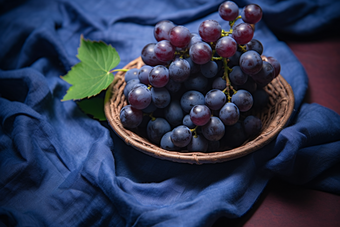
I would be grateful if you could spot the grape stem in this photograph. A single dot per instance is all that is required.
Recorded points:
(194, 130)
(118, 70)
(229, 87)
(242, 48)
(231, 23)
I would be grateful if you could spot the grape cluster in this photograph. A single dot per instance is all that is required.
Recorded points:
(198, 91)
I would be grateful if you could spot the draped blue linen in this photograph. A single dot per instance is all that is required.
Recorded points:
(59, 167)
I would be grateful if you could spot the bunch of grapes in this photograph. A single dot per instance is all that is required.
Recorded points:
(197, 91)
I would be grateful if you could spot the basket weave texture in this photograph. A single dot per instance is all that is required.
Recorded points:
(274, 118)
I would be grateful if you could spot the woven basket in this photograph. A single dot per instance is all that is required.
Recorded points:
(274, 119)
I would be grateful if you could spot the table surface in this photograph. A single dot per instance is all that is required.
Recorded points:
(283, 204)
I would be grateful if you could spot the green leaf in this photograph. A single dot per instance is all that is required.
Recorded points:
(92, 74)
(93, 106)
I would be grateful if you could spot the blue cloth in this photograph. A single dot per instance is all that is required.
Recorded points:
(58, 167)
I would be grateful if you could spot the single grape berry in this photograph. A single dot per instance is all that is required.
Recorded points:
(130, 117)
(229, 114)
(159, 76)
(200, 115)
(164, 51)
(167, 144)
(161, 30)
(198, 144)
(275, 63)
(256, 45)
(139, 97)
(228, 11)
(143, 74)
(148, 55)
(179, 70)
(252, 125)
(251, 13)
(200, 53)
(226, 47)
(210, 30)
(181, 136)
(215, 99)
(214, 129)
(242, 33)
(156, 129)
(250, 62)
(179, 36)
(243, 100)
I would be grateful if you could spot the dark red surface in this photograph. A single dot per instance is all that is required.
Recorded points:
(282, 204)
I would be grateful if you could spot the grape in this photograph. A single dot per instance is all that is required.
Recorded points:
(180, 36)
(150, 108)
(200, 53)
(149, 57)
(214, 129)
(167, 144)
(179, 70)
(250, 85)
(252, 125)
(276, 64)
(130, 117)
(194, 68)
(191, 98)
(129, 85)
(260, 99)
(161, 30)
(234, 60)
(181, 136)
(209, 69)
(194, 39)
(237, 77)
(143, 74)
(160, 97)
(196, 82)
(250, 62)
(210, 30)
(229, 114)
(226, 47)
(251, 13)
(139, 97)
(243, 100)
(228, 11)
(131, 74)
(164, 51)
(255, 45)
(198, 143)
(234, 136)
(215, 99)
(242, 33)
(174, 113)
(173, 86)
(200, 115)
(219, 83)
(266, 74)
(159, 76)
(156, 129)
(187, 122)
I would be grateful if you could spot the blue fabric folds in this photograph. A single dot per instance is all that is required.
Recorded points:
(58, 167)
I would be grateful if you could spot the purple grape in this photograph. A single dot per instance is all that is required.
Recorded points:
(252, 125)
(194, 68)
(143, 74)
(251, 13)
(255, 45)
(209, 69)
(219, 83)
(242, 33)
(215, 99)
(234, 136)
(243, 100)
(197, 82)
(250, 85)
(150, 108)
(160, 97)
(129, 85)
(266, 74)
(194, 39)
(174, 113)
(214, 129)
(130, 117)
(250, 62)
(156, 129)
(276, 64)
(131, 74)
(234, 60)
(173, 86)
(161, 30)
(164, 51)
(167, 144)
(229, 114)
(159, 76)
(228, 11)
(187, 122)
(198, 144)
(226, 47)
(210, 30)
(200, 115)
(139, 97)
(260, 99)
(237, 77)
(191, 98)
(181, 136)
(200, 53)
(180, 36)
(149, 57)
(179, 70)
